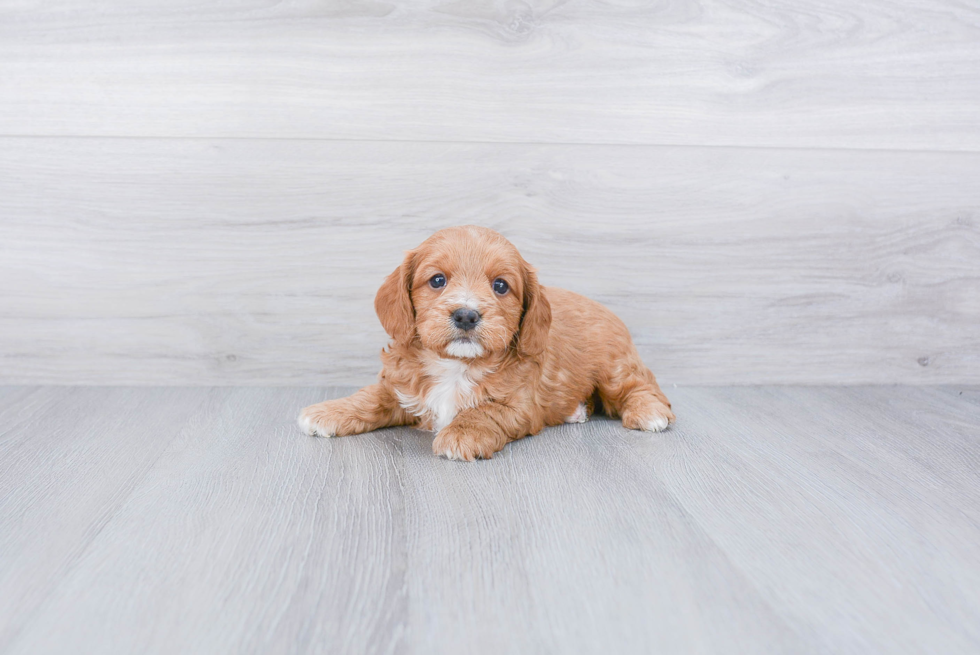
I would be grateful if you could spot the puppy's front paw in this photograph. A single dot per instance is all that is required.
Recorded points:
(317, 421)
(654, 417)
(454, 443)
(655, 423)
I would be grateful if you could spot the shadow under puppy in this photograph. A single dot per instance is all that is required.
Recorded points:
(482, 354)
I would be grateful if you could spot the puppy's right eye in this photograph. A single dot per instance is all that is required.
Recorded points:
(437, 281)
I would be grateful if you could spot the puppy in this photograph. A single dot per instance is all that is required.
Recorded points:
(481, 354)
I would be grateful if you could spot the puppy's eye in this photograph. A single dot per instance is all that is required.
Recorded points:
(500, 287)
(437, 281)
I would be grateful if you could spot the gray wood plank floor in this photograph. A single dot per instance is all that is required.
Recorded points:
(771, 519)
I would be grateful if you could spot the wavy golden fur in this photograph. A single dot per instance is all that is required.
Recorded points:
(537, 355)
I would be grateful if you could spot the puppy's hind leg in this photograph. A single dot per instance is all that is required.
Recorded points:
(629, 390)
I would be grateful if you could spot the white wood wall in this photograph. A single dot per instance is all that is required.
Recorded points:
(210, 193)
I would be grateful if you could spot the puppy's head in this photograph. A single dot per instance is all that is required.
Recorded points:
(466, 293)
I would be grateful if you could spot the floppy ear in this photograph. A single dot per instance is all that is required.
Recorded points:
(393, 303)
(532, 336)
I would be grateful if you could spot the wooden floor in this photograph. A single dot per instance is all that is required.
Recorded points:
(771, 519)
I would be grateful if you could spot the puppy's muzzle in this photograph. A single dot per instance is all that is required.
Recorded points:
(466, 319)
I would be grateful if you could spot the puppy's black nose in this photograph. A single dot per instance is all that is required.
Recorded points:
(465, 319)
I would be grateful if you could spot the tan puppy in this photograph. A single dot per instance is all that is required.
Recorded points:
(482, 354)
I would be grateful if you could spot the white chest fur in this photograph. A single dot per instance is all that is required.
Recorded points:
(451, 387)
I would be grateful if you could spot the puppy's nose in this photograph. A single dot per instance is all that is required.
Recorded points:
(466, 319)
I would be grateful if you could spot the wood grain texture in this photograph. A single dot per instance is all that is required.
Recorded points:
(833, 73)
(781, 465)
(769, 519)
(145, 261)
(69, 459)
(563, 545)
(244, 537)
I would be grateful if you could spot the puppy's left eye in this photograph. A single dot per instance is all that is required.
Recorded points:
(500, 287)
